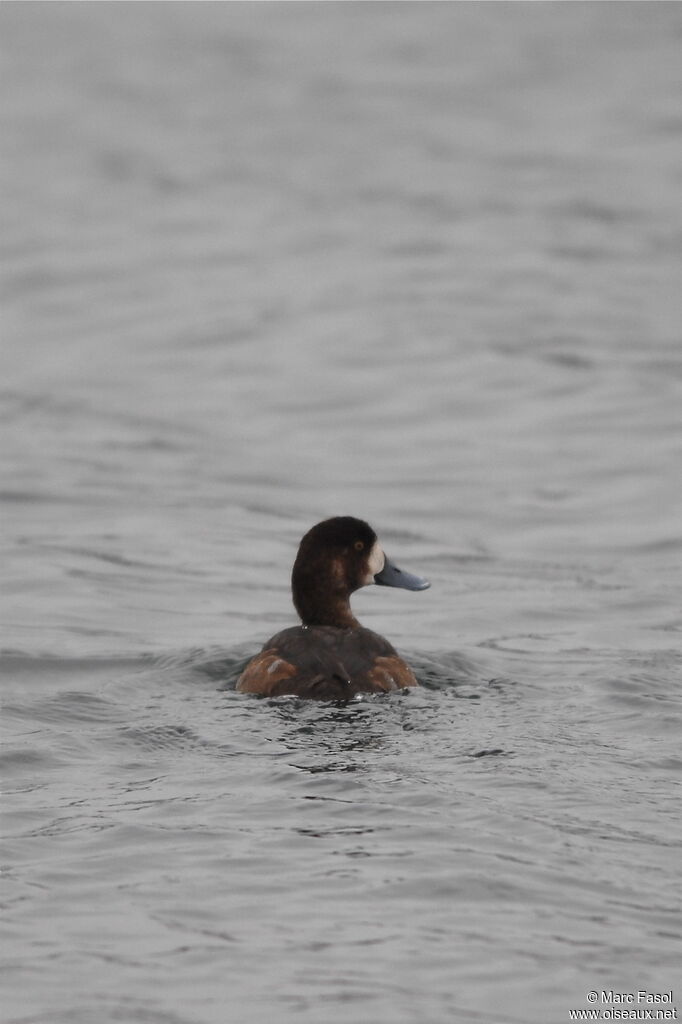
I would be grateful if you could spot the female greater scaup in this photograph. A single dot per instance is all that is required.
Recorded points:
(331, 656)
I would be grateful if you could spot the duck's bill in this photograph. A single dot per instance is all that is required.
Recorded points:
(392, 576)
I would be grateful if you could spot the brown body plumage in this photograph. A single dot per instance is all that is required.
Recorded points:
(331, 656)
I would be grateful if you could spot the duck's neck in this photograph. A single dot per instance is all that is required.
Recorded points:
(319, 604)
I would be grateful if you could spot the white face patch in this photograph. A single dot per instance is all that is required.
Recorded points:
(375, 563)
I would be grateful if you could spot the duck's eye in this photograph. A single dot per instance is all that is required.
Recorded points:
(359, 546)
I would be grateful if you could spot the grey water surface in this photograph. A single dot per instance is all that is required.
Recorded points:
(266, 263)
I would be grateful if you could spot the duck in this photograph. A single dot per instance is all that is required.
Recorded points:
(330, 656)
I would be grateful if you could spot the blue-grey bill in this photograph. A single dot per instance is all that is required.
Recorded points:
(392, 576)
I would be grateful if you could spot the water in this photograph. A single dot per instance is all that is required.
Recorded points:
(264, 264)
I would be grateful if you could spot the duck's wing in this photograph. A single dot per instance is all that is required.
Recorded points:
(390, 672)
(302, 662)
(325, 663)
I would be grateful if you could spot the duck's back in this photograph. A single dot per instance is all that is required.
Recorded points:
(327, 663)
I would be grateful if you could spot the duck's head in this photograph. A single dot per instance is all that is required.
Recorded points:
(335, 558)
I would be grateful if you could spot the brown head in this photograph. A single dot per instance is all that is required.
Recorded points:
(335, 558)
